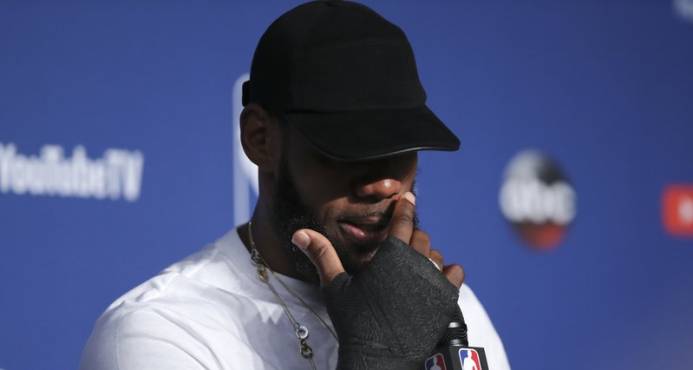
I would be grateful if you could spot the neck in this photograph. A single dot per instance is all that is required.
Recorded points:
(276, 252)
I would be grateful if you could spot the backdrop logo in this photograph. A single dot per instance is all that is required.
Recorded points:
(245, 177)
(118, 174)
(684, 8)
(677, 210)
(537, 199)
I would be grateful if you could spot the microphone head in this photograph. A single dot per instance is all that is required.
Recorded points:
(456, 332)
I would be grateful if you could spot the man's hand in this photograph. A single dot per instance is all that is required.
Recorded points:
(390, 314)
(402, 228)
(323, 255)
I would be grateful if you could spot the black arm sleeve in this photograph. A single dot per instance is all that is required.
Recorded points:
(391, 314)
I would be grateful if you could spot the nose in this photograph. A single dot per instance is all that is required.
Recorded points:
(377, 189)
(377, 180)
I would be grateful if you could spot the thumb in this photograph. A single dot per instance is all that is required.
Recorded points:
(321, 252)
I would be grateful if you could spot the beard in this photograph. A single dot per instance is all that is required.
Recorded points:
(290, 213)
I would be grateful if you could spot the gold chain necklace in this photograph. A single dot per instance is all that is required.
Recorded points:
(301, 331)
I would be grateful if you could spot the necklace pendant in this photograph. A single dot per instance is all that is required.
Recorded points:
(302, 333)
(262, 273)
(305, 349)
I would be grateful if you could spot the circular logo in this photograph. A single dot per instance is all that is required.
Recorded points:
(537, 199)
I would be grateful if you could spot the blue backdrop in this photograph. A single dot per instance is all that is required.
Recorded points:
(139, 98)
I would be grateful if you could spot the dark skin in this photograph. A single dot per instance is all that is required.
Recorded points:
(357, 203)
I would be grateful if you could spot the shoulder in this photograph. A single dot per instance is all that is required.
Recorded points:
(139, 339)
(171, 321)
(182, 327)
(481, 331)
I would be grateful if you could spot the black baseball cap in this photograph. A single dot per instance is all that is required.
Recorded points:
(346, 78)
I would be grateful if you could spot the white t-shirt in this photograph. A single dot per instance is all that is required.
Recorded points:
(210, 311)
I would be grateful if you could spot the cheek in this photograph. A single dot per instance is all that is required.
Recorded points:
(320, 193)
(320, 188)
(328, 213)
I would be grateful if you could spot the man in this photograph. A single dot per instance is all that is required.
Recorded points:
(334, 116)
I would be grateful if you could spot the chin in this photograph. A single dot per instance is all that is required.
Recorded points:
(354, 260)
(354, 254)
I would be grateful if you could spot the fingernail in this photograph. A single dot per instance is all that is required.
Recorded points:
(301, 239)
(410, 197)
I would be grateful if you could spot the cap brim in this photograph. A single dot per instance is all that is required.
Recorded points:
(373, 134)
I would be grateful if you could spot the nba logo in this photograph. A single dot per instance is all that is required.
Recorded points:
(435, 362)
(469, 358)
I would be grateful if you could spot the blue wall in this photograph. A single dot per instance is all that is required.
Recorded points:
(603, 87)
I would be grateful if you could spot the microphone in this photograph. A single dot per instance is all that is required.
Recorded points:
(453, 351)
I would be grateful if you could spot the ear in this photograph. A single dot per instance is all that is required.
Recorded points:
(260, 137)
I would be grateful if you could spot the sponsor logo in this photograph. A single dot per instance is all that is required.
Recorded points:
(245, 176)
(537, 199)
(469, 359)
(684, 8)
(116, 175)
(435, 362)
(677, 210)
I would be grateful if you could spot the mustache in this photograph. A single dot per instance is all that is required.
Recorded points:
(369, 214)
(373, 219)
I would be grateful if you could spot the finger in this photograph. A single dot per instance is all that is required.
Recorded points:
(436, 257)
(454, 274)
(321, 252)
(402, 222)
(421, 242)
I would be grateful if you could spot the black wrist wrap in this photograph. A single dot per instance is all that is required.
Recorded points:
(391, 314)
